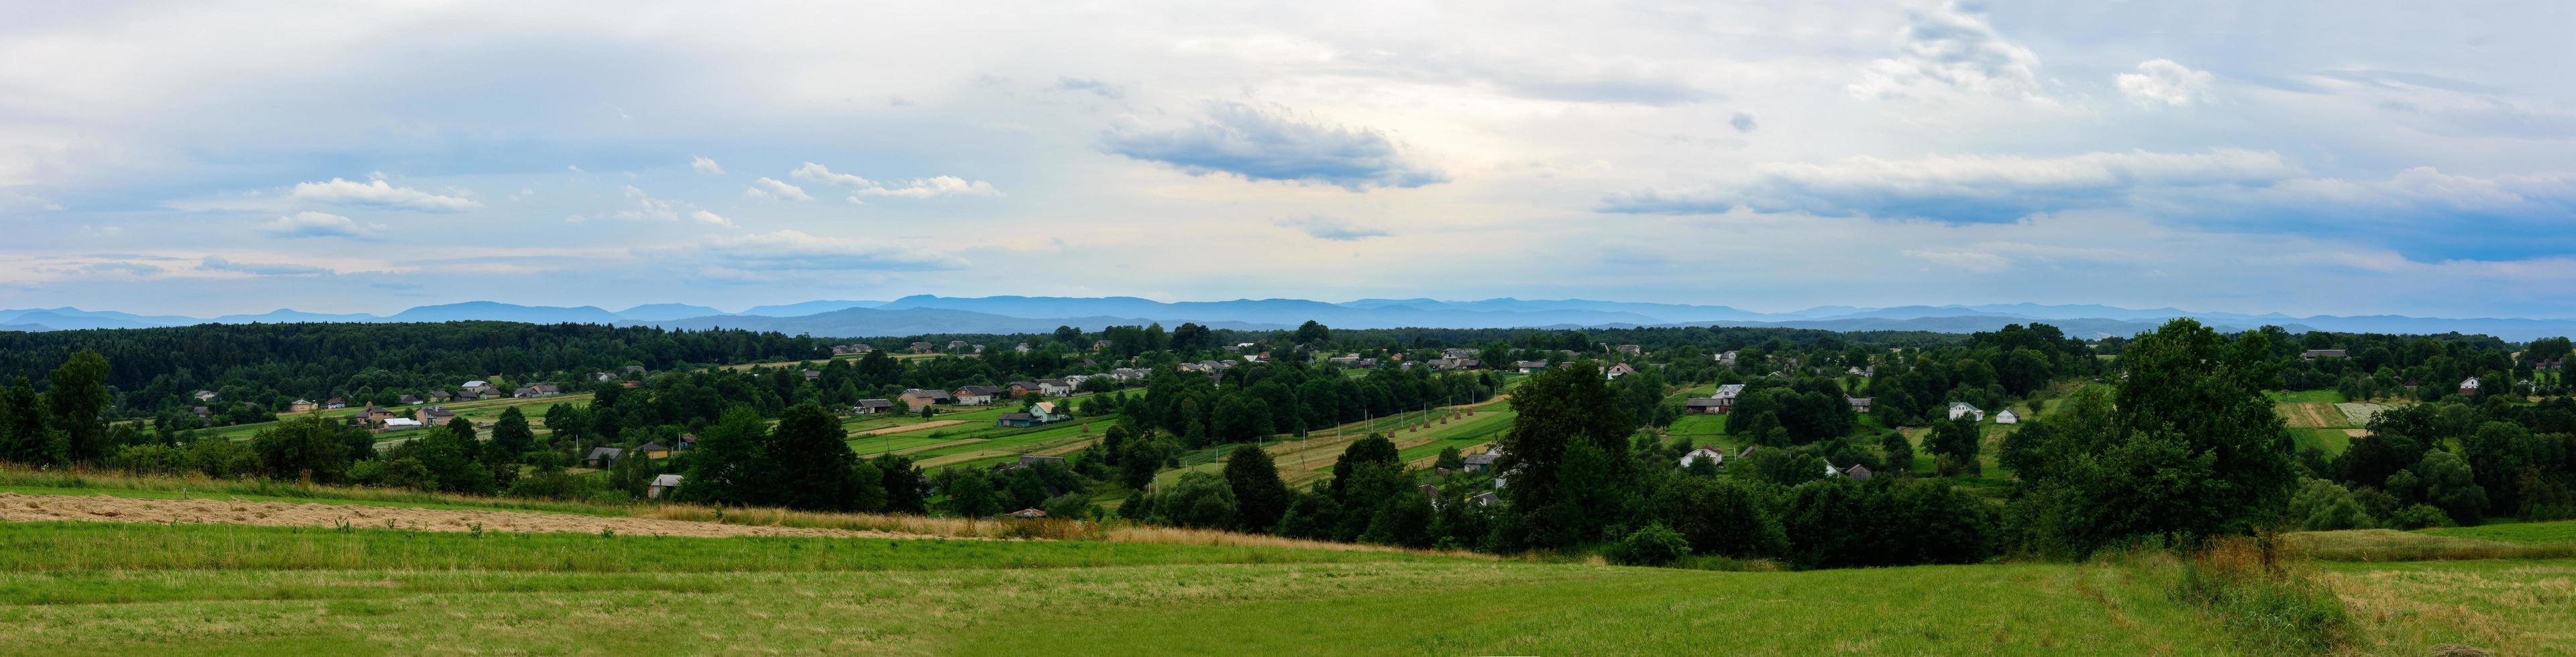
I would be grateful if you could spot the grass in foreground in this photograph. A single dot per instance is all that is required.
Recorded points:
(78, 589)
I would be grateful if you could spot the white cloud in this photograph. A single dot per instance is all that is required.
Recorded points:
(219, 264)
(771, 189)
(1951, 49)
(2163, 82)
(711, 218)
(704, 166)
(645, 207)
(321, 224)
(575, 168)
(1962, 188)
(934, 186)
(1329, 228)
(797, 251)
(1272, 143)
(819, 173)
(377, 192)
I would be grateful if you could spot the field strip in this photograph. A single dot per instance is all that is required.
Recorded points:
(31, 508)
(933, 424)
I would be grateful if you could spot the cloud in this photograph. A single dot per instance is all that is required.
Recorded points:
(645, 207)
(1742, 122)
(704, 166)
(822, 174)
(136, 269)
(771, 189)
(219, 264)
(321, 224)
(1962, 189)
(2161, 81)
(1951, 49)
(1270, 144)
(712, 218)
(796, 251)
(1963, 260)
(102, 231)
(1329, 228)
(1090, 86)
(575, 168)
(377, 193)
(933, 186)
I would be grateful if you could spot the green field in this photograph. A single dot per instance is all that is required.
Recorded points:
(2514, 532)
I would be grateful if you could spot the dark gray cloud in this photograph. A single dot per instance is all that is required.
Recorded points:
(1270, 144)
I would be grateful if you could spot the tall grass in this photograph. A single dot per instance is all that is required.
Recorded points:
(2256, 587)
(2393, 545)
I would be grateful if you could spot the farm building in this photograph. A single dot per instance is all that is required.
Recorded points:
(919, 398)
(1529, 366)
(653, 450)
(871, 406)
(2006, 416)
(1022, 388)
(1964, 409)
(301, 406)
(1619, 370)
(1858, 404)
(977, 395)
(603, 457)
(1717, 403)
(662, 486)
(434, 415)
(1016, 420)
(1479, 462)
(1712, 455)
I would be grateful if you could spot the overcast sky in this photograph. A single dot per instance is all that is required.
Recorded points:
(2342, 157)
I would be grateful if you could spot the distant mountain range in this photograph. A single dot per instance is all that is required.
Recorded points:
(923, 314)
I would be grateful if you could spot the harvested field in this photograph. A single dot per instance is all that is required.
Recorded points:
(16, 507)
(2311, 415)
(2359, 414)
(933, 424)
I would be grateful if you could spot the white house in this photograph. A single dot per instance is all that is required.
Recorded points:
(2006, 416)
(1711, 454)
(1961, 409)
(1619, 370)
(1055, 388)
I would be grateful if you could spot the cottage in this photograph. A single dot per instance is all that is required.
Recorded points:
(1712, 455)
(813, 375)
(1619, 370)
(2006, 416)
(1479, 462)
(1529, 366)
(336, 403)
(603, 457)
(467, 395)
(919, 398)
(438, 415)
(375, 414)
(977, 395)
(302, 406)
(662, 486)
(1857, 473)
(479, 386)
(923, 347)
(1964, 409)
(1055, 388)
(653, 450)
(1858, 404)
(523, 393)
(2470, 386)
(1045, 412)
(872, 406)
(1715, 404)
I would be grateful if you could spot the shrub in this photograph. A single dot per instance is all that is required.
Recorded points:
(2420, 516)
(1653, 546)
(2248, 584)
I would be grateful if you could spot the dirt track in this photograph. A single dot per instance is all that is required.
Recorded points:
(933, 424)
(16, 507)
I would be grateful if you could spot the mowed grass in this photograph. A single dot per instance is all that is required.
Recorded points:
(2531, 533)
(99, 588)
(2507, 606)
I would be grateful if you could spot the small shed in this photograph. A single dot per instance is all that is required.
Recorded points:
(662, 485)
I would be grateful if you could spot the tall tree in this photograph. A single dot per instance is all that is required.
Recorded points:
(1557, 407)
(1259, 496)
(76, 397)
(813, 461)
(511, 433)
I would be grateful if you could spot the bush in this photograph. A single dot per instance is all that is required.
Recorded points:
(1653, 546)
(2246, 583)
(2420, 516)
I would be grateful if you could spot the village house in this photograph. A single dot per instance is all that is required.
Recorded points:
(1016, 420)
(662, 486)
(1857, 473)
(434, 415)
(977, 395)
(1964, 409)
(923, 347)
(811, 375)
(1055, 388)
(1530, 366)
(1726, 359)
(2470, 386)
(1858, 404)
(302, 406)
(653, 450)
(204, 415)
(919, 398)
(375, 414)
(1019, 389)
(1456, 353)
(466, 395)
(408, 400)
(956, 344)
(872, 406)
(603, 457)
(204, 395)
(479, 386)
(538, 390)
(1619, 370)
(1713, 455)
(1715, 404)
(2006, 416)
(336, 403)
(1487, 498)
(1479, 462)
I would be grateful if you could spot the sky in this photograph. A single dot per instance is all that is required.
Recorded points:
(2327, 157)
